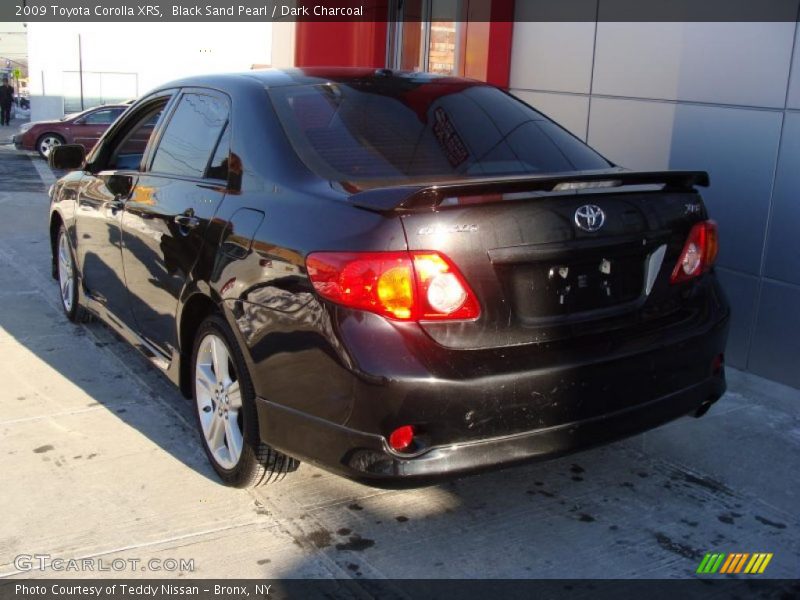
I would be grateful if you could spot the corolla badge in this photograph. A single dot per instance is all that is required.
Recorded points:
(590, 217)
(439, 229)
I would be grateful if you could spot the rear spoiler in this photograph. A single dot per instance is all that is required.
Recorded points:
(429, 196)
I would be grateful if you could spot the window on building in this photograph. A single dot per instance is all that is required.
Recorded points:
(426, 36)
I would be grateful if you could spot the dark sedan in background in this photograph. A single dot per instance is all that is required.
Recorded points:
(396, 276)
(83, 128)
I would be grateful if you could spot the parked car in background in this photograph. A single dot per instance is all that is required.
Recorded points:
(83, 128)
(396, 276)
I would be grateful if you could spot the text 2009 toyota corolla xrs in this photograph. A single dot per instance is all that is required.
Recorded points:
(395, 276)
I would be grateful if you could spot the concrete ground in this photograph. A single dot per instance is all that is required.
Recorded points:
(100, 459)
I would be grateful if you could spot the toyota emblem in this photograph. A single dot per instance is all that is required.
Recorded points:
(590, 217)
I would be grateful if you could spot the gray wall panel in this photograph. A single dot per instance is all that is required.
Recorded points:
(794, 84)
(552, 56)
(633, 133)
(741, 291)
(568, 110)
(727, 63)
(705, 96)
(775, 349)
(783, 243)
(738, 147)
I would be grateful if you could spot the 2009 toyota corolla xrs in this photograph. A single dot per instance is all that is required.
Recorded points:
(395, 276)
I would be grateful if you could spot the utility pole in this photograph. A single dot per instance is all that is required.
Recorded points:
(80, 67)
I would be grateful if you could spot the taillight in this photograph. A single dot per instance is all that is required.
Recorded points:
(699, 252)
(441, 290)
(418, 285)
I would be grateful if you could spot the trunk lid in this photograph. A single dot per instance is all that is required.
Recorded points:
(552, 257)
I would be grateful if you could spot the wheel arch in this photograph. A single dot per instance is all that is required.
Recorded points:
(56, 222)
(195, 310)
(45, 134)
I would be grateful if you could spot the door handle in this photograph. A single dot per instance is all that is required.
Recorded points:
(187, 221)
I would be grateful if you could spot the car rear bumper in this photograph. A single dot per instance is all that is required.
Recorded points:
(367, 457)
(476, 409)
(468, 424)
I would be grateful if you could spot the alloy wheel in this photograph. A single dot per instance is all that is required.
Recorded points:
(47, 144)
(219, 401)
(66, 274)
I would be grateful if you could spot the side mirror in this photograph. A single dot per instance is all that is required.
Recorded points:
(119, 185)
(67, 156)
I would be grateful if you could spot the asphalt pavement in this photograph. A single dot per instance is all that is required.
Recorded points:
(101, 460)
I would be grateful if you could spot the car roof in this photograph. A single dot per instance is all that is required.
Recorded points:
(306, 76)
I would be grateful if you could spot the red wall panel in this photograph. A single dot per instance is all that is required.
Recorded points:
(340, 44)
(490, 27)
(498, 61)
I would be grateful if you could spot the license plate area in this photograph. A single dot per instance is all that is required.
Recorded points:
(555, 289)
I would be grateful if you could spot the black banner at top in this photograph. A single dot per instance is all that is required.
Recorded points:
(400, 10)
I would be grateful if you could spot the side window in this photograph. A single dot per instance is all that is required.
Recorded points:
(219, 166)
(191, 136)
(128, 153)
(101, 117)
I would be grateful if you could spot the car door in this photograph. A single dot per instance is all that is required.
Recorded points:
(90, 127)
(164, 221)
(105, 188)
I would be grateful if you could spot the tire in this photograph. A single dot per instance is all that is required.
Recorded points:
(225, 410)
(67, 277)
(46, 142)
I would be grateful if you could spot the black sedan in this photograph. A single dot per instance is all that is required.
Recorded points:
(395, 276)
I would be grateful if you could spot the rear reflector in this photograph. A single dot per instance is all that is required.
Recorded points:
(398, 285)
(717, 363)
(699, 252)
(401, 438)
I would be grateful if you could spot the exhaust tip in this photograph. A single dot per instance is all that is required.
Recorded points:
(704, 408)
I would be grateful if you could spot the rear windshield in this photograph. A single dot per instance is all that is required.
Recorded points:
(397, 130)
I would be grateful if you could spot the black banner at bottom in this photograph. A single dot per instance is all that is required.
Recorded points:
(416, 589)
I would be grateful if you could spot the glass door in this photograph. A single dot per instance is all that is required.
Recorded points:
(425, 35)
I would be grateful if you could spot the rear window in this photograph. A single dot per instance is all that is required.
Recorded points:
(401, 130)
